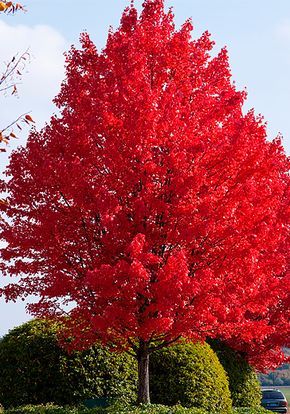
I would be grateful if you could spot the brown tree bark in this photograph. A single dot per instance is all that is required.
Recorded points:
(143, 374)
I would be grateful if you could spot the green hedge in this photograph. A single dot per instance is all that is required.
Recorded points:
(251, 410)
(115, 409)
(120, 409)
(35, 370)
(243, 381)
(189, 374)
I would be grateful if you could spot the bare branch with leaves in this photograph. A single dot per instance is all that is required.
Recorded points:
(13, 72)
(10, 7)
(10, 79)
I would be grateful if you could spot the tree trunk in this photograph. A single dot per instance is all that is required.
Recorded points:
(143, 374)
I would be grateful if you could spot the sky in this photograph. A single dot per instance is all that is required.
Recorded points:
(256, 34)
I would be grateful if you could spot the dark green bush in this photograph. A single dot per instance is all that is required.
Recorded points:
(189, 374)
(35, 370)
(244, 384)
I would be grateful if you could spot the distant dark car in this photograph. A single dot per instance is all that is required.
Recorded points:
(274, 400)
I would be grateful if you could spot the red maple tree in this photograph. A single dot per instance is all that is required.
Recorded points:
(151, 208)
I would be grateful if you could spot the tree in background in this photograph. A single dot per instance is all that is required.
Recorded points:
(152, 208)
(281, 374)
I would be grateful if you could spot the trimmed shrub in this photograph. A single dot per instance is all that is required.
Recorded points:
(243, 381)
(189, 374)
(35, 370)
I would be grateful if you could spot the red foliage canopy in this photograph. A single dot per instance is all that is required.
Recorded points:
(152, 205)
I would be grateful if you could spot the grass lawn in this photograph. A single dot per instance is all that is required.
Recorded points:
(286, 392)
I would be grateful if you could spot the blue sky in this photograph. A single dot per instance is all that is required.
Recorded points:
(256, 33)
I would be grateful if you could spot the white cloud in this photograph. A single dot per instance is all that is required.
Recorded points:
(42, 76)
(283, 31)
(40, 83)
